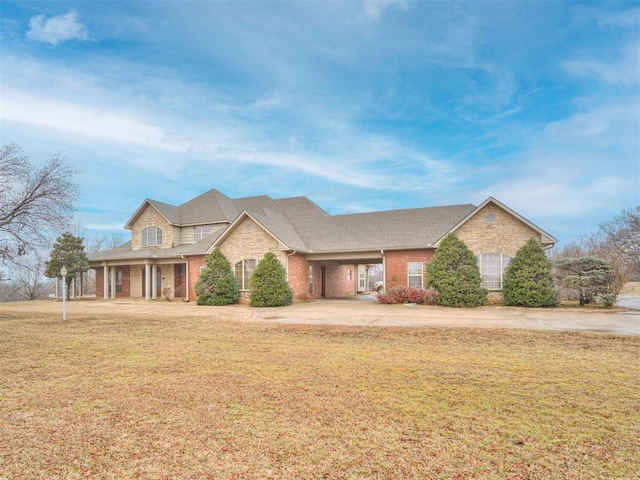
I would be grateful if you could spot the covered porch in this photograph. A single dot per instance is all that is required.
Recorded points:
(148, 279)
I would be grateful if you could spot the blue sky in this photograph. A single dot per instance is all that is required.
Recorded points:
(360, 106)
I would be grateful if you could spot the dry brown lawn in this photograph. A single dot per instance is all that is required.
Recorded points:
(124, 394)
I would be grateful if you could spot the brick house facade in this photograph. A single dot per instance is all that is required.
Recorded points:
(324, 255)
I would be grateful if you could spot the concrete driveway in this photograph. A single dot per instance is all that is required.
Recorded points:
(367, 312)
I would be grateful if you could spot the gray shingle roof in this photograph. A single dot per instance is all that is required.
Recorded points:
(302, 225)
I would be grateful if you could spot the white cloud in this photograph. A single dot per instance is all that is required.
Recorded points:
(626, 18)
(625, 70)
(82, 119)
(375, 8)
(58, 29)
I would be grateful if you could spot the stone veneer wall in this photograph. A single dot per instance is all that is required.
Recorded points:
(151, 217)
(505, 235)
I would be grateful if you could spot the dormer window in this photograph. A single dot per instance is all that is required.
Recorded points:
(152, 237)
(200, 232)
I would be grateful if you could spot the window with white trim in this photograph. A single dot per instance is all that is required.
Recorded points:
(118, 281)
(200, 232)
(310, 279)
(414, 274)
(492, 267)
(244, 271)
(152, 237)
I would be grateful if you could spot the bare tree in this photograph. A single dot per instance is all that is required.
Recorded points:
(103, 241)
(622, 236)
(35, 203)
(29, 281)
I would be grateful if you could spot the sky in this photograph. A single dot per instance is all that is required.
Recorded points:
(358, 105)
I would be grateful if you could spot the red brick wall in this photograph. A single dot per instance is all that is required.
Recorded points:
(338, 281)
(126, 281)
(298, 275)
(195, 262)
(99, 282)
(396, 265)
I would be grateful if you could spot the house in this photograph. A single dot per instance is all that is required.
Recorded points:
(324, 255)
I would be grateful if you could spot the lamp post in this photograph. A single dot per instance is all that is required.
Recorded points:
(63, 272)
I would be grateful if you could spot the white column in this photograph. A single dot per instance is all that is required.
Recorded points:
(105, 282)
(57, 287)
(154, 281)
(186, 280)
(113, 282)
(147, 281)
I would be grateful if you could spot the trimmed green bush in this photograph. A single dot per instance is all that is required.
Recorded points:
(454, 272)
(528, 281)
(217, 284)
(269, 286)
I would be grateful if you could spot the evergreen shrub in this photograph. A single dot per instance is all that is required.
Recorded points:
(528, 281)
(454, 272)
(269, 286)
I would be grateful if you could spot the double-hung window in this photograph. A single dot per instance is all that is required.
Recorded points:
(200, 232)
(492, 267)
(152, 237)
(414, 274)
(244, 271)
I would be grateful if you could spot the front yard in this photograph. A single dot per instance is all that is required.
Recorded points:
(117, 395)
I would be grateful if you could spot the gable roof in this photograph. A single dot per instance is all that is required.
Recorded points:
(301, 225)
(210, 207)
(546, 239)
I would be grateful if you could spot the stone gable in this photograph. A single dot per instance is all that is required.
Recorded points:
(493, 230)
(150, 217)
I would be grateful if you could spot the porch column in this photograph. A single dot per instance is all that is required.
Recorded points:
(186, 280)
(73, 288)
(81, 280)
(57, 287)
(154, 281)
(105, 282)
(147, 281)
(113, 282)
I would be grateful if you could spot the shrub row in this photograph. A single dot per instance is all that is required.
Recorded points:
(404, 294)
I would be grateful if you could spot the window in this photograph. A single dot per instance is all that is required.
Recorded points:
(200, 232)
(118, 281)
(492, 267)
(152, 237)
(414, 274)
(244, 271)
(310, 279)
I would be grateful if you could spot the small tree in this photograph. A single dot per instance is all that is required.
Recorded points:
(528, 282)
(269, 286)
(217, 284)
(591, 277)
(68, 250)
(454, 272)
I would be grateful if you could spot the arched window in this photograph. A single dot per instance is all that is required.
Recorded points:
(152, 237)
(492, 267)
(244, 271)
